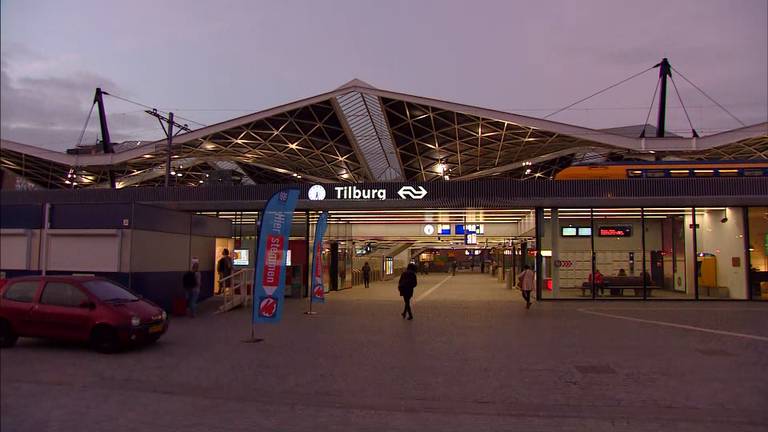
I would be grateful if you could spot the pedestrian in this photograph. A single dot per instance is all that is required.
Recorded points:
(526, 281)
(599, 281)
(406, 285)
(192, 282)
(366, 275)
(224, 268)
(454, 264)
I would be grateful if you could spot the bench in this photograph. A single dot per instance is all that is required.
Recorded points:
(617, 284)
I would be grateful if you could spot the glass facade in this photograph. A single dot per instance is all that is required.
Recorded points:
(757, 221)
(653, 253)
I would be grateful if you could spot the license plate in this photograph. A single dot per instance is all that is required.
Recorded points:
(156, 328)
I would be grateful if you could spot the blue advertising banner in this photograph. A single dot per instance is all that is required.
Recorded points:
(269, 274)
(318, 289)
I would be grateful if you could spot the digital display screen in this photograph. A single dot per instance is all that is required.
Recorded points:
(578, 231)
(459, 229)
(470, 239)
(614, 231)
(474, 229)
(240, 257)
(444, 229)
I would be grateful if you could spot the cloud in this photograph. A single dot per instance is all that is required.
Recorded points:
(45, 102)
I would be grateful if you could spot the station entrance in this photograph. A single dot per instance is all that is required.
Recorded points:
(492, 245)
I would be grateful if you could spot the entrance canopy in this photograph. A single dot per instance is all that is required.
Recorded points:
(358, 133)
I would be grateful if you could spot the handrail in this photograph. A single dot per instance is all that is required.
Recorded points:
(236, 293)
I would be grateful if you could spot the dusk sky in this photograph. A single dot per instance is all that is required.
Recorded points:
(212, 61)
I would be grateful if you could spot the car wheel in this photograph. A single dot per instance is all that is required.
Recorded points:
(104, 340)
(7, 336)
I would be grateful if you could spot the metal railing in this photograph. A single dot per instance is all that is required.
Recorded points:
(235, 290)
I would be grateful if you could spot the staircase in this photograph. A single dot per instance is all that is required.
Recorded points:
(239, 292)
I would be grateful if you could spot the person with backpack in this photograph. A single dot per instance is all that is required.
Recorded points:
(224, 268)
(192, 282)
(406, 285)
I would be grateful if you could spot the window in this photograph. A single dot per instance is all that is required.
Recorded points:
(62, 294)
(22, 291)
(106, 290)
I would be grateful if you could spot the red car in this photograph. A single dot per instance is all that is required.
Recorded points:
(77, 308)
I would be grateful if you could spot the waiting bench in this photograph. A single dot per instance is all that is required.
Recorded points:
(617, 284)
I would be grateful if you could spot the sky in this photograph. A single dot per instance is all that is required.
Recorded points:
(210, 61)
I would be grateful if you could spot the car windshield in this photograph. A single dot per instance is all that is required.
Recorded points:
(109, 291)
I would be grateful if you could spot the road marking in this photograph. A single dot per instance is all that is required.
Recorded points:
(682, 326)
(429, 291)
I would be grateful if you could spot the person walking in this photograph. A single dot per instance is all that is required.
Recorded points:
(526, 282)
(406, 285)
(192, 282)
(453, 268)
(366, 275)
(224, 268)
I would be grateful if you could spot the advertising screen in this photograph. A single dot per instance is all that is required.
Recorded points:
(444, 229)
(459, 229)
(585, 231)
(240, 257)
(568, 231)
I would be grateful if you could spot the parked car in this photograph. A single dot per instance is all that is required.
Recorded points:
(78, 309)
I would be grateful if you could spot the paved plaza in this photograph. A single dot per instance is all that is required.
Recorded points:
(473, 359)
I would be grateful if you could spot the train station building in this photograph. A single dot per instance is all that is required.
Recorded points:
(404, 179)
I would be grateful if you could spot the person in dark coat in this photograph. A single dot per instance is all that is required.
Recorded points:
(406, 285)
(367, 274)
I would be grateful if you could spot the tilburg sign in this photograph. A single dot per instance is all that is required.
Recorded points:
(318, 192)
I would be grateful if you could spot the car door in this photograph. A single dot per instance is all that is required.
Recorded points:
(17, 304)
(62, 313)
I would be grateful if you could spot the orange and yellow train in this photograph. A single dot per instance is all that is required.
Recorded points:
(664, 169)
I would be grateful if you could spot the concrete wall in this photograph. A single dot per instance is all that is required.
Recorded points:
(88, 251)
(20, 249)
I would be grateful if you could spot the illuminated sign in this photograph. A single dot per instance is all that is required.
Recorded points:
(444, 229)
(614, 231)
(474, 229)
(568, 231)
(319, 192)
(585, 231)
(429, 229)
(470, 239)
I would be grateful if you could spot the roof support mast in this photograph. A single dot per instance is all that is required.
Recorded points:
(664, 72)
(106, 143)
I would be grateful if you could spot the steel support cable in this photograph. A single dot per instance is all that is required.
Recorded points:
(693, 131)
(650, 108)
(708, 97)
(152, 108)
(85, 126)
(599, 92)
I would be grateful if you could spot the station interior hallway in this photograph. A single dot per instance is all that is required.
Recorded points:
(436, 287)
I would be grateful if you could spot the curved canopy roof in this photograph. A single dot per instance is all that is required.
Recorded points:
(360, 133)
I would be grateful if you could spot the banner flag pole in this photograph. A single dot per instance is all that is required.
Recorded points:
(317, 288)
(269, 273)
